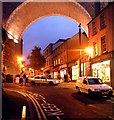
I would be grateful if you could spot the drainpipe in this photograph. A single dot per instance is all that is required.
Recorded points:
(80, 50)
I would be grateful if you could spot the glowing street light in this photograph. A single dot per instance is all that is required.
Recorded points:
(19, 60)
(89, 51)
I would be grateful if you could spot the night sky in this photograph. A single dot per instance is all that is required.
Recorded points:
(47, 30)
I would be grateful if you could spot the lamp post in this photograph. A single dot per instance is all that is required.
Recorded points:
(42, 71)
(89, 52)
(80, 50)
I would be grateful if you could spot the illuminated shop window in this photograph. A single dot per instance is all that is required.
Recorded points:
(75, 72)
(59, 61)
(54, 63)
(102, 70)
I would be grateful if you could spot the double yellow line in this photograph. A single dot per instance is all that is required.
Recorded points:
(40, 113)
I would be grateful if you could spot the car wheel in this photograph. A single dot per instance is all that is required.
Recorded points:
(51, 83)
(110, 94)
(90, 93)
(32, 83)
(77, 89)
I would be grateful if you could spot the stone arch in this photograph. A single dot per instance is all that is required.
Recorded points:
(28, 12)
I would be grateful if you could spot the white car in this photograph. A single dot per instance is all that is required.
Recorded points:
(93, 85)
(41, 79)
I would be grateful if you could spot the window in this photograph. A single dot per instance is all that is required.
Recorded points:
(95, 49)
(94, 29)
(102, 21)
(54, 63)
(59, 61)
(103, 44)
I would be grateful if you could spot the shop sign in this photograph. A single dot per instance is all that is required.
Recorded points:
(63, 66)
(102, 57)
(73, 63)
(56, 69)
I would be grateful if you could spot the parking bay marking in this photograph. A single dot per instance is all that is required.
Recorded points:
(51, 109)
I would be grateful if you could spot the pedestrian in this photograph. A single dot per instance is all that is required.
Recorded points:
(24, 79)
(21, 78)
(65, 78)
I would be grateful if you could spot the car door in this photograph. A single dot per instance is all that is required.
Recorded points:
(37, 79)
(44, 80)
(84, 86)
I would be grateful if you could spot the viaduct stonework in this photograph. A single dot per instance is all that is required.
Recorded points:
(17, 17)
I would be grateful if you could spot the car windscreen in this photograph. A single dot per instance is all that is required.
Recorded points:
(94, 81)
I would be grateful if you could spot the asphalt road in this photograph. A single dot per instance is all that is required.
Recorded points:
(63, 103)
(12, 107)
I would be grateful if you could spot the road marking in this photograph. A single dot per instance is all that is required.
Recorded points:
(51, 109)
(24, 113)
(44, 101)
(35, 102)
(58, 118)
(39, 107)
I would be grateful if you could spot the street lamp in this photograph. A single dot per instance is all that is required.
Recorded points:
(80, 49)
(42, 70)
(89, 52)
(19, 61)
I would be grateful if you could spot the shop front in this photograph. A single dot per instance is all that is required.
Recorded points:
(63, 71)
(73, 69)
(75, 72)
(102, 67)
(102, 70)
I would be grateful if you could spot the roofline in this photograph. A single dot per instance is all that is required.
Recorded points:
(101, 12)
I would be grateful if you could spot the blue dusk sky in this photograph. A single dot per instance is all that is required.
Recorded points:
(47, 30)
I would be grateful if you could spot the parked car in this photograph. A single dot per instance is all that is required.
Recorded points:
(93, 85)
(41, 79)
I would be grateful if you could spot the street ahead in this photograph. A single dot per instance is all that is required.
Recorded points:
(62, 102)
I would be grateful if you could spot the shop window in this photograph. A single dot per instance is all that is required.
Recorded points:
(54, 63)
(59, 61)
(102, 21)
(94, 29)
(95, 49)
(103, 44)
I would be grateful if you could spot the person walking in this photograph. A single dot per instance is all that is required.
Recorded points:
(24, 79)
(21, 78)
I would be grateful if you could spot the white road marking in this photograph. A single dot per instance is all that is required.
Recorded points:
(51, 109)
(58, 118)
(44, 101)
(24, 113)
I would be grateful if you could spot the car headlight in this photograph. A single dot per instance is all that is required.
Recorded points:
(56, 81)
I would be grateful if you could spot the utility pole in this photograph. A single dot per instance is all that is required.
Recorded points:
(79, 34)
(80, 50)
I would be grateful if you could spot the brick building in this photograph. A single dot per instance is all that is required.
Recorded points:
(64, 56)
(10, 51)
(101, 39)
